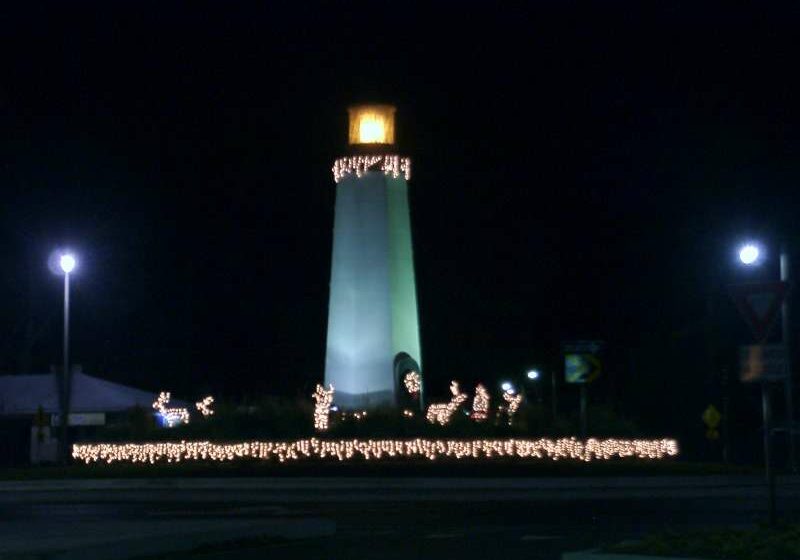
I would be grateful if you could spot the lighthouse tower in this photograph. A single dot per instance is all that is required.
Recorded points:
(373, 328)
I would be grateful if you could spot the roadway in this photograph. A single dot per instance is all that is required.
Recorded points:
(365, 517)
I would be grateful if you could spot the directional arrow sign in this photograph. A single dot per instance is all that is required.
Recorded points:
(581, 364)
(759, 304)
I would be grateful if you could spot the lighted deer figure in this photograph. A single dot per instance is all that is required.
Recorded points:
(442, 412)
(171, 415)
(513, 404)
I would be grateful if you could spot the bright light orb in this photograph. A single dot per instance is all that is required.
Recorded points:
(749, 254)
(506, 386)
(67, 263)
(533, 374)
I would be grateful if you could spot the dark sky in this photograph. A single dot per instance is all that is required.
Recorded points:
(578, 172)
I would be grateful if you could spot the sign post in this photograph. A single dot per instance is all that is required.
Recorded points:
(582, 366)
(759, 304)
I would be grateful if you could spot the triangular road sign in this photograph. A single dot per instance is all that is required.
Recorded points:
(760, 304)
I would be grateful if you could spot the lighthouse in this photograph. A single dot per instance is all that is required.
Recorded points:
(373, 326)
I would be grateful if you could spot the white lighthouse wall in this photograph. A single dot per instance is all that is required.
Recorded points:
(359, 346)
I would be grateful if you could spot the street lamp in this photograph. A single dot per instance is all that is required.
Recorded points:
(749, 254)
(533, 376)
(67, 263)
(507, 386)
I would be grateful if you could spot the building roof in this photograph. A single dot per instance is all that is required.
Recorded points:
(24, 394)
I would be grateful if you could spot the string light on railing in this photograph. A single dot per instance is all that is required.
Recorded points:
(171, 416)
(322, 408)
(204, 406)
(413, 383)
(359, 165)
(442, 412)
(480, 404)
(344, 450)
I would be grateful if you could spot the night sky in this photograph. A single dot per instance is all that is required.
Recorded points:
(579, 172)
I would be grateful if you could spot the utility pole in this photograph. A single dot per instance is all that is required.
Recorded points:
(66, 384)
(786, 334)
(584, 399)
(768, 465)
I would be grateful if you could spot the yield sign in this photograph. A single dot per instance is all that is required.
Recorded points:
(759, 304)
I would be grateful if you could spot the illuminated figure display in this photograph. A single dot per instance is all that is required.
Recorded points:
(372, 314)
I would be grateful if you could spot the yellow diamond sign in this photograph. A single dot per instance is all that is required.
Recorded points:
(711, 417)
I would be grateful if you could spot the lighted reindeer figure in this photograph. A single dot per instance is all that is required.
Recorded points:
(171, 415)
(442, 412)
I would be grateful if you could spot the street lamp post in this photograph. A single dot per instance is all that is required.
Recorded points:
(67, 263)
(750, 254)
(786, 335)
(533, 376)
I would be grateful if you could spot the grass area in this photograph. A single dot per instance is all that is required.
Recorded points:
(439, 468)
(761, 543)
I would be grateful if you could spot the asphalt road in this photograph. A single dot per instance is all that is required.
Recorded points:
(364, 518)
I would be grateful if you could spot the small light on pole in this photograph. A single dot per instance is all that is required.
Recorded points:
(67, 263)
(533, 374)
(749, 254)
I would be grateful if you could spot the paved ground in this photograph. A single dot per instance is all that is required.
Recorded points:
(363, 518)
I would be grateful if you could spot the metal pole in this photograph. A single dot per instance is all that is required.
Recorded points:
(768, 467)
(66, 378)
(554, 398)
(584, 398)
(726, 424)
(787, 342)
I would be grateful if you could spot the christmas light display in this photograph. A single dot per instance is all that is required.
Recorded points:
(322, 408)
(408, 413)
(480, 404)
(344, 450)
(442, 412)
(204, 406)
(171, 416)
(413, 383)
(356, 415)
(359, 165)
(513, 403)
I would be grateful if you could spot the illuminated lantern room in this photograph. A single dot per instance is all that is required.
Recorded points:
(371, 124)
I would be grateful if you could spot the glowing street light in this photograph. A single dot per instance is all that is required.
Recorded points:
(507, 386)
(533, 374)
(67, 262)
(749, 254)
